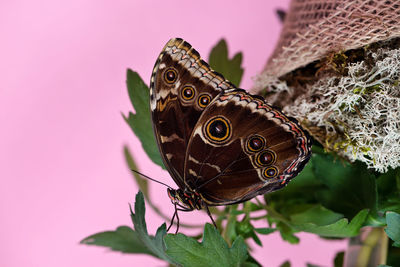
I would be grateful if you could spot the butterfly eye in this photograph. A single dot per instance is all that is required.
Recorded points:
(218, 130)
(187, 93)
(172, 195)
(270, 172)
(170, 75)
(204, 100)
(265, 158)
(255, 143)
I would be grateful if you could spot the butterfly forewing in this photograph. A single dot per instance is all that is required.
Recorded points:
(182, 85)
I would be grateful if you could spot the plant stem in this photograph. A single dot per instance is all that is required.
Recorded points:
(367, 249)
(230, 223)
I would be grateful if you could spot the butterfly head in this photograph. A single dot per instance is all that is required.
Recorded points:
(185, 200)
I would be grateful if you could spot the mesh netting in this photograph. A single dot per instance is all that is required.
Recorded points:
(336, 69)
(314, 28)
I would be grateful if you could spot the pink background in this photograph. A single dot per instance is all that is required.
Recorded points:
(62, 91)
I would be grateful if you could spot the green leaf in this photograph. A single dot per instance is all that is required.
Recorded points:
(124, 239)
(247, 230)
(251, 262)
(300, 191)
(154, 244)
(285, 264)
(388, 192)
(296, 208)
(351, 187)
(244, 228)
(287, 233)
(393, 257)
(220, 62)
(393, 227)
(386, 182)
(317, 215)
(304, 180)
(140, 122)
(264, 231)
(238, 212)
(253, 207)
(212, 251)
(339, 259)
(340, 228)
(142, 183)
(229, 233)
(256, 239)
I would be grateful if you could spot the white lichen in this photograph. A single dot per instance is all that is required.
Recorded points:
(359, 112)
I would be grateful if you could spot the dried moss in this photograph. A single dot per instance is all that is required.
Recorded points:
(349, 101)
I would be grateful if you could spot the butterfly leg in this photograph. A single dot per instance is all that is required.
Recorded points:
(177, 222)
(172, 219)
(177, 216)
(209, 214)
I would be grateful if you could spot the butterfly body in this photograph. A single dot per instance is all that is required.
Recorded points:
(190, 200)
(220, 144)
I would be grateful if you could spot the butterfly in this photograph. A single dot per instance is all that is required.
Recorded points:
(220, 144)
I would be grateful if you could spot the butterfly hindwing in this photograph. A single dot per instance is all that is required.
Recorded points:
(182, 85)
(242, 147)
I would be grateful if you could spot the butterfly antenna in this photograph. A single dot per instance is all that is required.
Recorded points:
(147, 177)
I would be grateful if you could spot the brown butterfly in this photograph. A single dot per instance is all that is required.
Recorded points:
(220, 144)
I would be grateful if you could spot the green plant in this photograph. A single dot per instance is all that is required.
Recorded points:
(330, 198)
